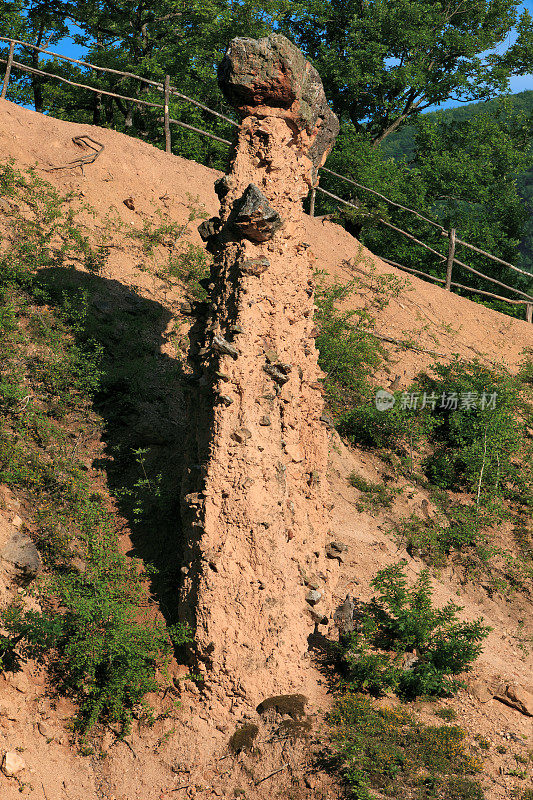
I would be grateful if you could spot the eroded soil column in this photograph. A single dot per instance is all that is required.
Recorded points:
(254, 490)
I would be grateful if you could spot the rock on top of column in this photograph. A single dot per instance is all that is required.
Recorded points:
(272, 77)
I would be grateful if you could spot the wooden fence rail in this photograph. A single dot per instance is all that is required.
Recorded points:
(170, 91)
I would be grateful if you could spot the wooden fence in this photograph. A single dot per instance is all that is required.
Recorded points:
(168, 91)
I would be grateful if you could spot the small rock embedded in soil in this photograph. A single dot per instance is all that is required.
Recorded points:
(255, 266)
(314, 478)
(242, 435)
(313, 597)
(12, 764)
(276, 374)
(265, 421)
(222, 346)
(271, 356)
(209, 228)
(340, 547)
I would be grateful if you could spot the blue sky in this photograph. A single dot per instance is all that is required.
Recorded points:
(518, 84)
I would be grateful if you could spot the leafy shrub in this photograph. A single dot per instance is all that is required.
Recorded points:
(366, 425)
(475, 441)
(434, 540)
(526, 368)
(402, 620)
(447, 714)
(349, 351)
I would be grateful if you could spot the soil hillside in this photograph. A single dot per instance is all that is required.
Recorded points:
(141, 208)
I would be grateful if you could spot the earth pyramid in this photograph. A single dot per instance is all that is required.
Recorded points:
(254, 491)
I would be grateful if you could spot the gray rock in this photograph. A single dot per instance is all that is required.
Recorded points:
(21, 551)
(271, 356)
(408, 661)
(343, 616)
(332, 553)
(222, 187)
(209, 228)
(314, 479)
(265, 421)
(313, 597)
(253, 216)
(254, 266)
(242, 435)
(224, 347)
(285, 368)
(275, 373)
(186, 309)
(317, 617)
(340, 547)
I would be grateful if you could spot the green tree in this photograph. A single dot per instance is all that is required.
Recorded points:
(39, 22)
(385, 61)
(470, 170)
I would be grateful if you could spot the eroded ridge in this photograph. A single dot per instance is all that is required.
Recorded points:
(254, 490)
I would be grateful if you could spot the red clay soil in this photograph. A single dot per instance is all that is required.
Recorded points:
(186, 748)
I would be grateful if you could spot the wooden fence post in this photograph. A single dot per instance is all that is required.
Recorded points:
(8, 70)
(449, 265)
(312, 202)
(529, 312)
(168, 145)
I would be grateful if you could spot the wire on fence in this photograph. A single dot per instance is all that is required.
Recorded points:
(169, 90)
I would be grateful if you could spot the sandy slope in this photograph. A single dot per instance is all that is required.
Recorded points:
(183, 746)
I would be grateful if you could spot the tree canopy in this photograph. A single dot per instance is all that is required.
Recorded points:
(384, 61)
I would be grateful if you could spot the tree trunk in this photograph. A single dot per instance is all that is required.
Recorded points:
(36, 80)
(97, 98)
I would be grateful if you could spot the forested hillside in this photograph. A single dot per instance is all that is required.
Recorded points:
(402, 147)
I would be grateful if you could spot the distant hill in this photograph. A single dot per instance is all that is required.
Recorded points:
(401, 145)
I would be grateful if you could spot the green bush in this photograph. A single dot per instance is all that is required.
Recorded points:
(435, 539)
(349, 351)
(402, 620)
(475, 440)
(365, 425)
(392, 752)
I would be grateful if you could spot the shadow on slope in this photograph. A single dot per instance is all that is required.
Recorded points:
(141, 402)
